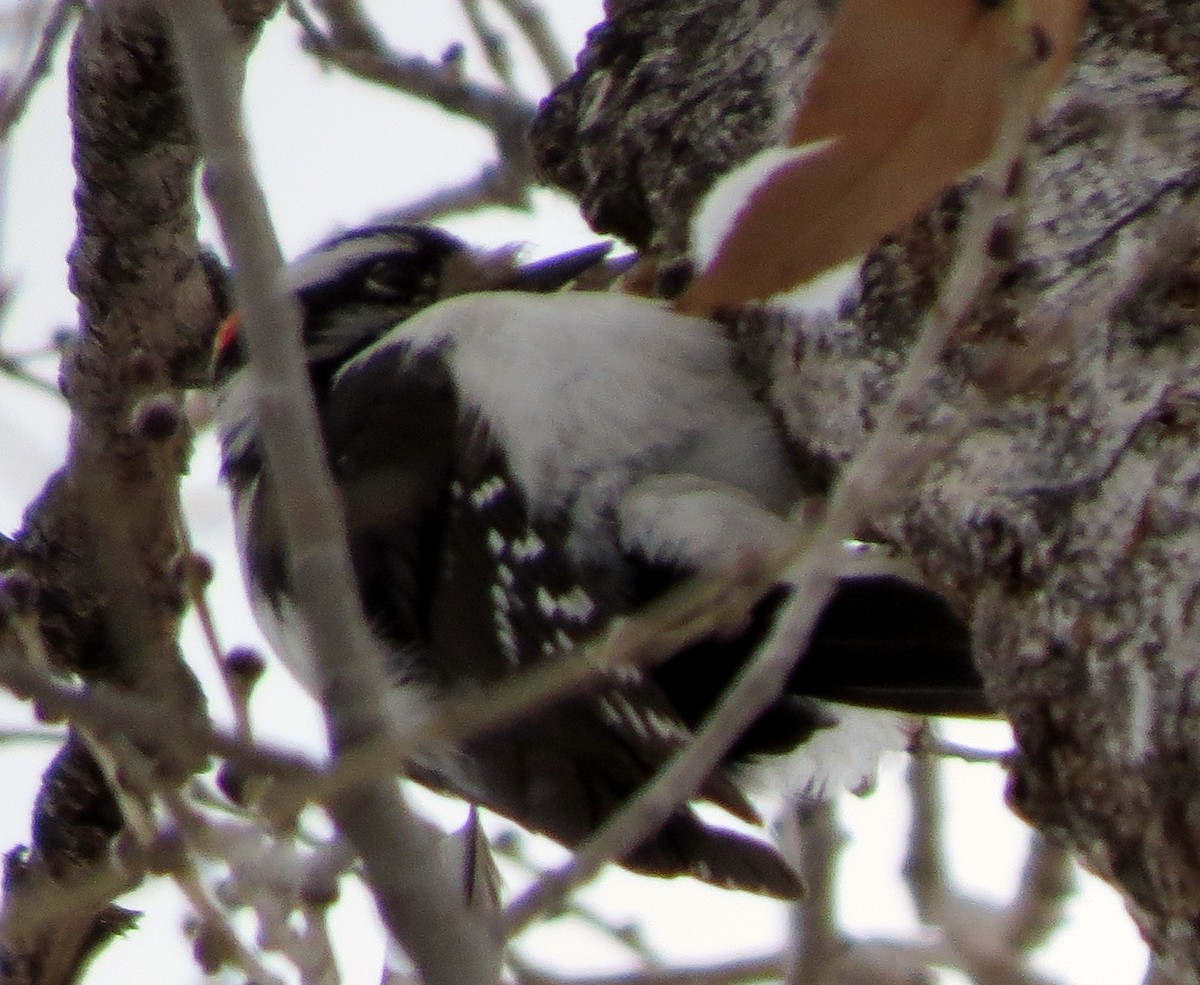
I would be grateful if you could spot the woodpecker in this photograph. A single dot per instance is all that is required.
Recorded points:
(518, 467)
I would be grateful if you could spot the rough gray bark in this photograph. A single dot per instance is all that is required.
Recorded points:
(667, 96)
(1064, 515)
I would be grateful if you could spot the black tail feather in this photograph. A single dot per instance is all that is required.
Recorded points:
(883, 642)
(686, 846)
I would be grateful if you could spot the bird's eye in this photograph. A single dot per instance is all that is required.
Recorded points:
(400, 280)
(389, 279)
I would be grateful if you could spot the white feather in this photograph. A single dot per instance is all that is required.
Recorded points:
(235, 413)
(843, 757)
(727, 199)
(327, 262)
(833, 290)
(706, 525)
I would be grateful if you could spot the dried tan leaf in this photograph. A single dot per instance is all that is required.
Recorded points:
(908, 97)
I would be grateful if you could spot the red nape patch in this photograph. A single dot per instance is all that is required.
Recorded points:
(227, 333)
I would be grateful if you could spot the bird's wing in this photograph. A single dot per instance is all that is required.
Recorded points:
(543, 604)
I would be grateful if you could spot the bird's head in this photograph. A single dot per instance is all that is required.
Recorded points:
(357, 286)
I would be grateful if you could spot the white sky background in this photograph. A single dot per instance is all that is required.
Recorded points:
(332, 153)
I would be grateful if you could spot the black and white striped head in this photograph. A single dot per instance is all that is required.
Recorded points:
(359, 285)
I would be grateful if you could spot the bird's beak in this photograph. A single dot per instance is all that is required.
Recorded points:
(557, 272)
(498, 270)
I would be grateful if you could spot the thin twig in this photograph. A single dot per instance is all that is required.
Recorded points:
(495, 184)
(690, 612)
(147, 719)
(109, 752)
(500, 111)
(813, 845)
(213, 920)
(531, 20)
(17, 95)
(628, 936)
(1047, 883)
(354, 44)
(988, 942)
(492, 41)
(15, 733)
(13, 368)
(766, 967)
(350, 25)
(299, 13)
(931, 744)
(134, 784)
(195, 579)
(924, 864)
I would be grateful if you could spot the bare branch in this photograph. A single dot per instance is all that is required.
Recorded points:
(15, 95)
(817, 945)
(496, 184)
(768, 967)
(98, 545)
(529, 17)
(356, 46)
(1047, 883)
(492, 41)
(990, 943)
